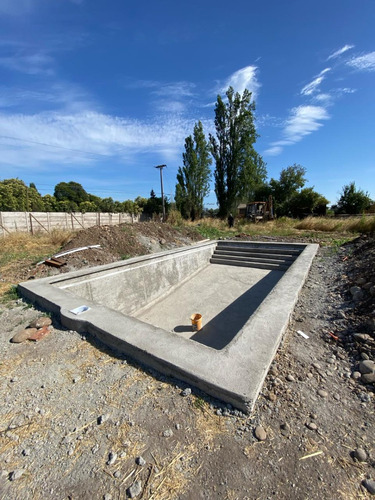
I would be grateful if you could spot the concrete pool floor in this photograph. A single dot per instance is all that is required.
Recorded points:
(226, 296)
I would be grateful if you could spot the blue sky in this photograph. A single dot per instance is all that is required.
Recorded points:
(99, 92)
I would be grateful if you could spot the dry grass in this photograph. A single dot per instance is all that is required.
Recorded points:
(321, 227)
(20, 246)
(20, 250)
(332, 224)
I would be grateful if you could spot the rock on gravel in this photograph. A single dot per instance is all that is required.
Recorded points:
(260, 433)
(41, 322)
(360, 455)
(140, 461)
(23, 335)
(135, 489)
(369, 484)
(366, 366)
(16, 474)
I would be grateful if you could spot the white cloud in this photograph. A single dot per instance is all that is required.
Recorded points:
(33, 140)
(273, 151)
(33, 64)
(245, 78)
(323, 98)
(363, 63)
(175, 89)
(70, 98)
(303, 120)
(338, 52)
(312, 87)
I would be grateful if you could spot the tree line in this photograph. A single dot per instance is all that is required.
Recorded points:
(16, 196)
(240, 174)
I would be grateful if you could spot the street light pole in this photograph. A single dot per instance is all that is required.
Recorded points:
(160, 167)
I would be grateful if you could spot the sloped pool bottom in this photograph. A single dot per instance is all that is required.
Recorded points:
(226, 296)
(234, 373)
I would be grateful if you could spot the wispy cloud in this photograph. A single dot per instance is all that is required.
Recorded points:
(60, 96)
(245, 78)
(338, 52)
(312, 87)
(363, 63)
(38, 63)
(175, 89)
(67, 138)
(302, 121)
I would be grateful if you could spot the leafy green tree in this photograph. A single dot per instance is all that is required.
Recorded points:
(87, 206)
(253, 177)
(353, 200)
(193, 179)
(35, 200)
(107, 205)
(131, 207)
(14, 195)
(233, 149)
(66, 206)
(154, 204)
(291, 180)
(307, 202)
(50, 203)
(96, 200)
(70, 191)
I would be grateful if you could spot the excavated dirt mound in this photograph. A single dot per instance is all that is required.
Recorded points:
(116, 243)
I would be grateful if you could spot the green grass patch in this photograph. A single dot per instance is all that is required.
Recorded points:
(10, 294)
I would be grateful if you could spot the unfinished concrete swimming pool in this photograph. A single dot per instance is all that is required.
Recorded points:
(141, 307)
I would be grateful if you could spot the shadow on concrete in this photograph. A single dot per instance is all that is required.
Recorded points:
(182, 328)
(218, 332)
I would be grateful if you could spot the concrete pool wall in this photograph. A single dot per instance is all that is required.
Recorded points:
(233, 372)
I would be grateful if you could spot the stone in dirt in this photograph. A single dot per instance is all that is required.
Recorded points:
(186, 392)
(366, 366)
(140, 461)
(312, 426)
(369, 484)
(23, 335)
(41, 322)
(322, 393)
(16, 474)
(360, 455)
(112, 457)
(260, 433)
(368, 378)
(168, 433)
(135, 489)
(40, 334)
(362, 337)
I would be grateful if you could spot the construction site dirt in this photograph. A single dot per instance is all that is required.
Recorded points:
(79, 421)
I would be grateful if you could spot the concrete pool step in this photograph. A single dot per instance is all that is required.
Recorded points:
(251, 249)
(230, 254)
(256, 255)
(260, 264)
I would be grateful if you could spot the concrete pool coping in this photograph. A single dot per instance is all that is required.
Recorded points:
(234, 374)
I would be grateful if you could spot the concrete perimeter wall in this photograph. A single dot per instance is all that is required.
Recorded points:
(131, 285)
(33, 222)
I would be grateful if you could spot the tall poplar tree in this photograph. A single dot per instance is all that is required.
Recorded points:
(193, 179)
(239, 169)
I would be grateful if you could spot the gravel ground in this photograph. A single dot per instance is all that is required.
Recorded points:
(80, 422)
